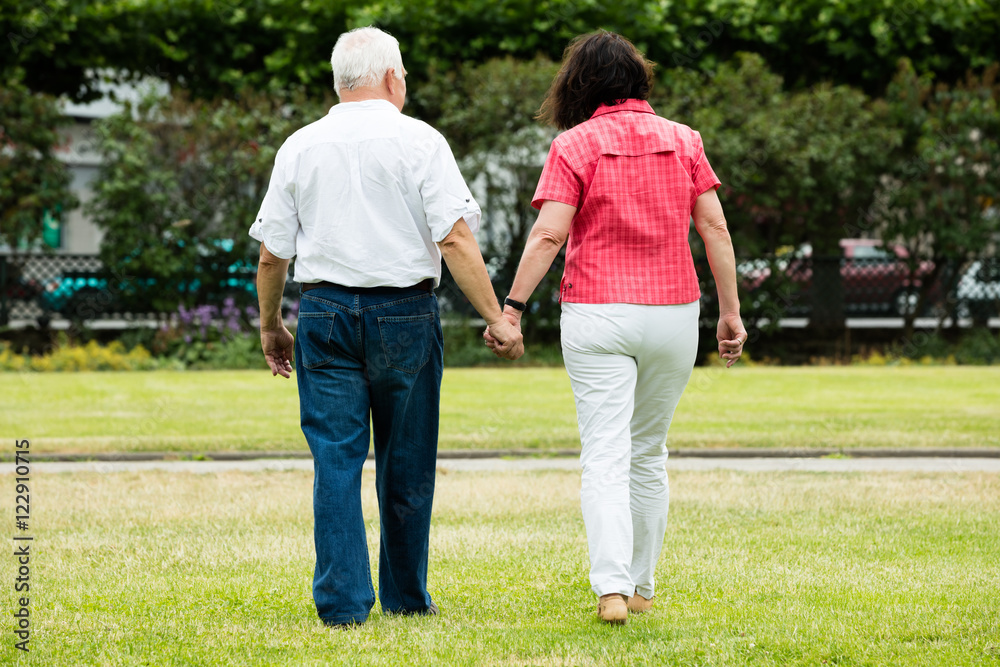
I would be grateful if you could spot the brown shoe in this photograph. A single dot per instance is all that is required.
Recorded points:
(639, 605)
(613, 609)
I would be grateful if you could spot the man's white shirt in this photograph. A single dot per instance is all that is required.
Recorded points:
(362, 196)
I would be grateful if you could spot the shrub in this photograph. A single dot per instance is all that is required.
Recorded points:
(979, 346)
(976, 347)
(89, 357)
(194, 173)
(33, 181)
(209, 337)
(464, 347)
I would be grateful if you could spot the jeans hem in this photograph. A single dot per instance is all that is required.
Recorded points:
(345, 619)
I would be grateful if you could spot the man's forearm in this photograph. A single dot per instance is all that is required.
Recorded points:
(461, 254)
(271, 274)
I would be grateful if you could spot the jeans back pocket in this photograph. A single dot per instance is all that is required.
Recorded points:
(314, 333)
(406, 340)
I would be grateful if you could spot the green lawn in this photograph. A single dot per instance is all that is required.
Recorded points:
(514, 408)
(156, 568)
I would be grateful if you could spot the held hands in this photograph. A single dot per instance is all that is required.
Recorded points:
(731, 336)
(504, 336)
(277, 345)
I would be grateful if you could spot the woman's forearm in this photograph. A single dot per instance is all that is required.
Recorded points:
(547, 236)
(710, 222)
(539, 253)
(722, 260)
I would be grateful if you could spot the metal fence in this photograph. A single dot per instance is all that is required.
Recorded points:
(831, 289)
(38, 288)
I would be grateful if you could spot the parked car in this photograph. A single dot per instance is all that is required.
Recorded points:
(879, 279)
(978, 290)
(87, 294)
(17, 293)
(875, 280)
(21, 289)
(77, 295)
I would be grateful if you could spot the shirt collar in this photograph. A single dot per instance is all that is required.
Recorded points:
(640, 106)
(364, 105)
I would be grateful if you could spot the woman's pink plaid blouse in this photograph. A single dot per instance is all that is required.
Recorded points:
(634, 178)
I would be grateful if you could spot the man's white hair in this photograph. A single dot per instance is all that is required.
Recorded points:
(362, 56)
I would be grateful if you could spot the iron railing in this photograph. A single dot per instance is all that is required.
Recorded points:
(37, 287)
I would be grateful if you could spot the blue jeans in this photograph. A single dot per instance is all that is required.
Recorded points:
(373, 355)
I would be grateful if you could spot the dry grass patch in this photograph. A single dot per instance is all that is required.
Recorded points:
(761, 568)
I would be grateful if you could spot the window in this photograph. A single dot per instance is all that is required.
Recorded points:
(870, 252)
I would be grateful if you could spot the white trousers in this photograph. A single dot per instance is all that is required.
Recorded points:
(628, 365)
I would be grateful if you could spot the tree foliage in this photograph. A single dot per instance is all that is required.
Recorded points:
(793, 165)
(793, 132)
(178, 191)
(940, 198)
(805, 41)
(214, 47)
(487, 113)
(33, 181)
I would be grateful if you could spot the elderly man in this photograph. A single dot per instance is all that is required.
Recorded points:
(368, 201)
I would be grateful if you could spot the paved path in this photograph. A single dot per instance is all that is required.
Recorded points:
(914, 464)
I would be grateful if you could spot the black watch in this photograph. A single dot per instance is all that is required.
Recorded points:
(516, 305)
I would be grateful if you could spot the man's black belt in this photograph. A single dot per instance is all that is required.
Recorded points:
(426, 285)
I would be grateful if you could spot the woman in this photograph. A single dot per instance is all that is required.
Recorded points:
(622, 185)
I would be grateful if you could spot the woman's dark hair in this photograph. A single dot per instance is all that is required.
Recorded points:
(598, 68)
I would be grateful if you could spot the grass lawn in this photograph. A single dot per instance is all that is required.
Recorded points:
(156, 568)
(489, 408)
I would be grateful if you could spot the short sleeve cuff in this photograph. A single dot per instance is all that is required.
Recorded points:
(702, 172)
(282, 248)
(441, 227)
(542, 197)
(703, 185)
(558, 181)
